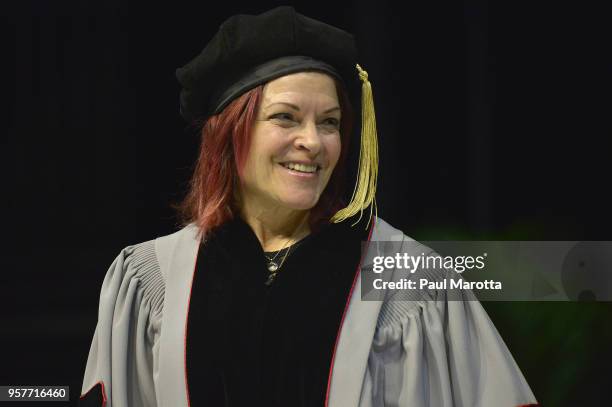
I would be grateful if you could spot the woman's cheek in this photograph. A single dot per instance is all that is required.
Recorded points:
(334, 149)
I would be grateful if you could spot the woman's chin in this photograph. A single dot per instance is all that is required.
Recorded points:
(300, 202)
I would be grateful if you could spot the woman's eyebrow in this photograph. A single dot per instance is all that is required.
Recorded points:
(333, 109)
(291, 105)
(296, 108)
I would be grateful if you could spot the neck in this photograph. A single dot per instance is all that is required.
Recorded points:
(276, 227)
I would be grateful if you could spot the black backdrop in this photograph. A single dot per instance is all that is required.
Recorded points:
(493, 121)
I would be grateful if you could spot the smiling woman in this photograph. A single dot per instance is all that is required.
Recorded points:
(281, 120)
(295, 147)
(257, 299)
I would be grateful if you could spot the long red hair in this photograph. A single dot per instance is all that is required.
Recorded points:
(224, 148)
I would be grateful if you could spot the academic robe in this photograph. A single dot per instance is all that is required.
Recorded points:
(426, 350)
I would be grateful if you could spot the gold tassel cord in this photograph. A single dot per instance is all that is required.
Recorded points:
(364, 193)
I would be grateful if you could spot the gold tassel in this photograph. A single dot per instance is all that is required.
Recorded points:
(364, 193)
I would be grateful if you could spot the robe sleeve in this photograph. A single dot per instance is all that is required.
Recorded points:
(440, 351)
(122, 367)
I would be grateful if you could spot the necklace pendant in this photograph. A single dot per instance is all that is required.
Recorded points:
(270, 279)
(272, 267)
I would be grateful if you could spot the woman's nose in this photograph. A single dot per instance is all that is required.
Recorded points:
(308, 138)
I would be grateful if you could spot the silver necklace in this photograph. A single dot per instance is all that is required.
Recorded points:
(273, 266)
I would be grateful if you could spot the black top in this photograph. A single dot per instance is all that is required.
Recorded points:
(253, 344)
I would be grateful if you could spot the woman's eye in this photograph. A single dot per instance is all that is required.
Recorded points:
(282, 116)
(332, 121)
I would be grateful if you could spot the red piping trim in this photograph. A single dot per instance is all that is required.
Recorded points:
(529, 405)
(101, 383)
(186, 325)
(346, 306)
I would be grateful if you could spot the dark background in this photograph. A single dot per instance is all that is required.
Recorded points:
(493, 124)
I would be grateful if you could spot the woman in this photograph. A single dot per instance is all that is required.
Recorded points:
(257, 301)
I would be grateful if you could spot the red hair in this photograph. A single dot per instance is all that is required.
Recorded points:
(224, 148)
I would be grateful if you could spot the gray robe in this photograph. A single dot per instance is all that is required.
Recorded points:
(417, 353)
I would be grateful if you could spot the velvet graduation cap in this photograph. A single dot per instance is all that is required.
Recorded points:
(248, 51)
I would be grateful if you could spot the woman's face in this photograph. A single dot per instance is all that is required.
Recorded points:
(295, 142)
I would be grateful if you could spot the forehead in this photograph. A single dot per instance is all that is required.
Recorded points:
(302, 84)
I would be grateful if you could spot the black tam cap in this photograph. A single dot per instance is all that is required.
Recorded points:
(248, 51)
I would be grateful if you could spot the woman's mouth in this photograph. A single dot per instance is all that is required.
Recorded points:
(301, 170)
(305, 168)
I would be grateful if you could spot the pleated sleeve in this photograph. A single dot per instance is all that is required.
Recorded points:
(122, 367)
(437, 351)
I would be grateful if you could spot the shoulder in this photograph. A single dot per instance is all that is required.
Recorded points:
(141, 269)
(135, 273)
(179, 247)
(401, 242)
(400, 304)
(384, 231)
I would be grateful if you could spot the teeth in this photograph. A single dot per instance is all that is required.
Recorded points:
(300, 167)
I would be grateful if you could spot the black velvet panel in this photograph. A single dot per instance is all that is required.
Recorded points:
(95, 397)
(252, 344)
